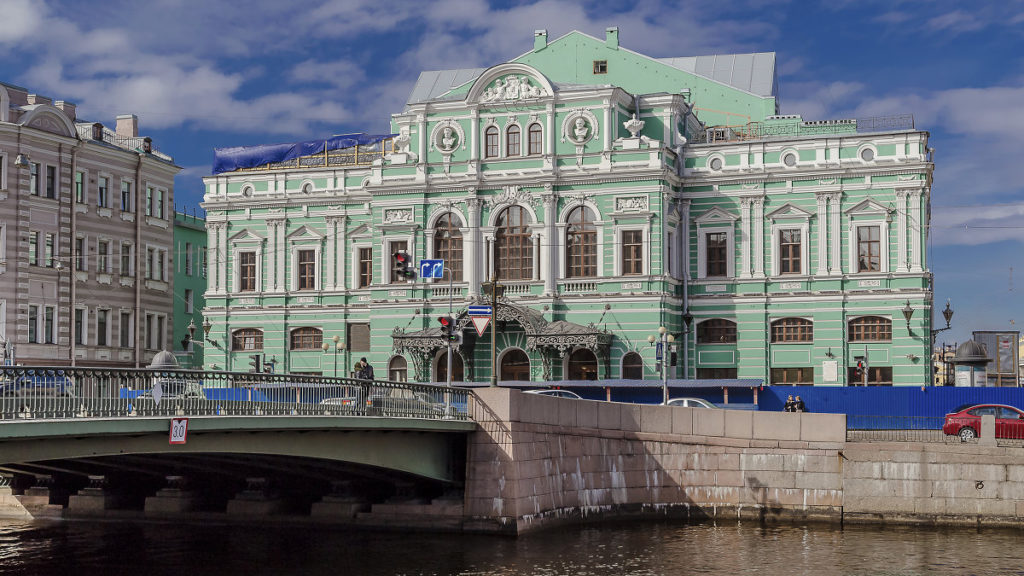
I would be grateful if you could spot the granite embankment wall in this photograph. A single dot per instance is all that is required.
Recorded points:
(538, 461)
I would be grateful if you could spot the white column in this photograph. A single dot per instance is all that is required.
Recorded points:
(835, 202)
(551, 138)
(212, 257)
(823, 233)
(758, 219)
(422, 122)
(273, 253)
(901, 231)
(474, 135)
(282, 253)
(536, 256)
(607, 127)
(915, 230)
(330, 261)
(744, 238)
(473, 256)
(342, 253)
(222, 260)
(550, 269)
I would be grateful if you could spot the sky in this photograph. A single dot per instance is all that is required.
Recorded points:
(203, 74)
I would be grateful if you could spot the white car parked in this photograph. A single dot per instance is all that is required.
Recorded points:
(690, 403)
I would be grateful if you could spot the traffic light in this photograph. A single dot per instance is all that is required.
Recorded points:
(403, 267)
(255, 363)
(447, 327)
(185, 341)
(456, 338)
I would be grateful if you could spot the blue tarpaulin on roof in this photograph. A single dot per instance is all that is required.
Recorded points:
(238, 157)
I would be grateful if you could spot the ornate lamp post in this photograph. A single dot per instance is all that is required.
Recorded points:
(338, 347)
(663, 340)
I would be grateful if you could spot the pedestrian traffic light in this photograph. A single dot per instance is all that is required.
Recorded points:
(447, 326)
(403, 267)
(255, 363)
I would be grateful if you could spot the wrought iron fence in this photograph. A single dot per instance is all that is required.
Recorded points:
(761, 131)
(81, 393)
(928, 429)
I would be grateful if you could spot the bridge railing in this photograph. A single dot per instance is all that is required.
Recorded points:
(80, 393)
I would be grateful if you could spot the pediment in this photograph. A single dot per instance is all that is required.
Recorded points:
(510, 82)
(305, 233)
(246, 236)
(359, 231)
(789, 210)
(867, 207)
(716, 216)
(48, 119)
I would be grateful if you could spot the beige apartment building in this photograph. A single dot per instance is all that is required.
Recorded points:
(86, 237)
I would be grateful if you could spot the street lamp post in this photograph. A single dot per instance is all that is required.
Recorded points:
(338, 347)
(664, 340)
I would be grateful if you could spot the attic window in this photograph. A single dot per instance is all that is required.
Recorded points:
(600, 66)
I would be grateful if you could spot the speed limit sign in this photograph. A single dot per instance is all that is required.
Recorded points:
(179, 430)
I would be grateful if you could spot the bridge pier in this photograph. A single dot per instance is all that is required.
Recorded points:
(95, 499)
(258, 499)
(174, 498)
(342, 502)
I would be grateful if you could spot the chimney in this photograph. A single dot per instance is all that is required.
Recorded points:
(37, 99)
(127, 125)
(540, 40)
(147, 145)
(97, 131)
(67, 108)
(611, 37)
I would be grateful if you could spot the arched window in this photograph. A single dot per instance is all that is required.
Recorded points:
(398, 369)
(792, 330)
(448, 245)
(307, 338)
(536, 143)
(515, 251)
(515, 365)
(716, 331)
(512, 140)
(581, 243)
(632, 366)
(491, 142)
(870, 329)
(582, 365)
(247, 339)
(442, 368)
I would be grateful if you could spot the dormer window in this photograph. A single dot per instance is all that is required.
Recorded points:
(600, 66)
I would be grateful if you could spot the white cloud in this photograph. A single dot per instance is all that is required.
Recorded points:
(22, 19)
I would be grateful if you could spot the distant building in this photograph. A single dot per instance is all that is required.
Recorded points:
(612, 194)
(189, 288)
(85, 237)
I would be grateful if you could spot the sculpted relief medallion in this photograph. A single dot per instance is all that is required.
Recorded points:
(512, 87)
(447, 136)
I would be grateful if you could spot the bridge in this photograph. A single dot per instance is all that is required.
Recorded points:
(77, 443)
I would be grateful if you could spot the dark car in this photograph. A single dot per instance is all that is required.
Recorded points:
(966, 422)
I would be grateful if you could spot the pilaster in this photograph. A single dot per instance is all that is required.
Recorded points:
(758, 206)
(915, 230)
(901, 230)
(823, 234)
(745, 237)
(550, 267)
(473, 254)
(835, 206)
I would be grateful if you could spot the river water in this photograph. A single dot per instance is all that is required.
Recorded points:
(152, 549)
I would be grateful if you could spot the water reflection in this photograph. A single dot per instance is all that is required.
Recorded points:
(630, 549)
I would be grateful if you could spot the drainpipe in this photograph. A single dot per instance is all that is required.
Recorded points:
(138, 255)
(73, 263)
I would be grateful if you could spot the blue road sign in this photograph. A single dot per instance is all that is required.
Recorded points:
(657, 351)
(479, 311)
(432, 268)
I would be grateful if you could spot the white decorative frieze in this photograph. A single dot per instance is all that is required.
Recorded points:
(512, 87)
(398, 293)
(869, 284)
(715, 288)
(791, 285)
(512, 195)
(631, 204)
(632, 286)
(398, 216)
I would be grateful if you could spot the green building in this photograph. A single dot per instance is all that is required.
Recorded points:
(189, 288)
(611, 194)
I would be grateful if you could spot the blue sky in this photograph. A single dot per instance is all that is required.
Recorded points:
(212, 73)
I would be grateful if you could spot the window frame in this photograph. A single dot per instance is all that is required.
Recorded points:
(877, 243)
(103, 191)
(492, 147)
(715, 221)
(858, 328)
(364, 266)
(791, 330)
(127, 197)
(242, 338)
(539, 132)
(640, 256)
(581, 257)
(717, 331)
(514, 237)
(447, 244)
(306, 276)
(314, 335)
(513, 141)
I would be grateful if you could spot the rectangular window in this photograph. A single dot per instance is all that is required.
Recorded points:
(126, 330)
(632, 253)
(150, 263)
(398, 247)
(126, 259)
(33, 248)
(150, 337)
(162, 265)
(149, 200)
(600, 66)
(202, 263)
(103, 257)
(869, 249)
(49, 250)
(49, 325)
(80, 187)
(801, 376)
(359, 337)
(51, 181)
(101, 327)
(365, 267)
(247, 271)
(307, 269)
(536, 139)
(716, 373)
(80, 254)
(512, 140)
(491, 143)
(159, 205)
(716, 254)
(33, 324)
(877, 376)
(33, 178)
(80, 326)
(789, 252)
(102, 192)
(188, 301)
(188, 258)
(126, 196)
(159, 332)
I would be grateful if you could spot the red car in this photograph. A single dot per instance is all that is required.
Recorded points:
(966, 422)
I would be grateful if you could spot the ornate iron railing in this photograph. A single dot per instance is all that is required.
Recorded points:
(762, 131)
(82, 393)
(354, 156)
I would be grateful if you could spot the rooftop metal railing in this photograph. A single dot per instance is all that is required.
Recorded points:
(770, 131)
(86, 393)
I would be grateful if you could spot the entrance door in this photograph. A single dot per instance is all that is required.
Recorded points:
(582, 365)
(442, 368)
(515, 365)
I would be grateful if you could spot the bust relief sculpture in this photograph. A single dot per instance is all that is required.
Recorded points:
(448, 139)
(580, 130)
